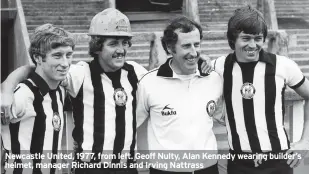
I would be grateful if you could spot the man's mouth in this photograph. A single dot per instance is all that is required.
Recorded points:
(118, 56)
(251, 52)
(63, 71)
(191, 59)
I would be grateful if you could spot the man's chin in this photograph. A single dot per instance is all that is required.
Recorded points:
(252, 58)
(60, 78)
(119, 64)
(190, 70)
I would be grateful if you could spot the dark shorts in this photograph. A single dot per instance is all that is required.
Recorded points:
(247, 166)
(209, 170)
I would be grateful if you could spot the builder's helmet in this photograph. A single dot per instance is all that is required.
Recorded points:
(110, 22)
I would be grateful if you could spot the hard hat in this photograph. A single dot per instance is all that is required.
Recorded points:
(110, 22)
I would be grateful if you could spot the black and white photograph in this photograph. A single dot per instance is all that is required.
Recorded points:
(154, 87)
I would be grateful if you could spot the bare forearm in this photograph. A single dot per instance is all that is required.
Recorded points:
(305, 135)
(16, 77)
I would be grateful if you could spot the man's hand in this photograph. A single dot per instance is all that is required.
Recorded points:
(206, 65)
(301, 148)
(7, 100)
(7, 90)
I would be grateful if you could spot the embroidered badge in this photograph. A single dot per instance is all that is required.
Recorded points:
(247, 90)
(211, 108)
(56, 121)
(120, 97)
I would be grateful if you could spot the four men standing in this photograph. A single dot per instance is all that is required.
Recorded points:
(179, 99)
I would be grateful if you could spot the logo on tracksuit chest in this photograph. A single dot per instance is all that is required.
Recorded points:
(168, 111)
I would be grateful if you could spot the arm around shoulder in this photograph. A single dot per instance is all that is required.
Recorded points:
(22, 106)
(16, 77)
(8, 86)
(75, 78)
(139, 69)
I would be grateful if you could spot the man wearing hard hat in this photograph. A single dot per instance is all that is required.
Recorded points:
(103, 95)
(104, 98)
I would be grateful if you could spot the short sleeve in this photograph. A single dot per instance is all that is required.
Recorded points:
(75, 78)
(142, 108)
(22, 106)
(294, 76)
(219, 113)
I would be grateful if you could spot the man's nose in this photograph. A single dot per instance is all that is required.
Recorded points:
(66, 61)
(120, 49)
(252, 43)
(193, 51)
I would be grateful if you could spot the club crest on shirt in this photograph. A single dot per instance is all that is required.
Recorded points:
(211, 108)
(56, 121)
(247, 90)
(120, 97)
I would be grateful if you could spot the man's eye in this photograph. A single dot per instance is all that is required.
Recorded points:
(125, 43)
(69, 55)
(57, 56)
(186, 46)
(113, 44)
(258, 39)
(245, 38)
(197, 45)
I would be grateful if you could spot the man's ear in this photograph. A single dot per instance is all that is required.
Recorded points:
(38, 59)
(98, 53)
(169, 48)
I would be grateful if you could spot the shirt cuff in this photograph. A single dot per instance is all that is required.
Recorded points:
(299, 83)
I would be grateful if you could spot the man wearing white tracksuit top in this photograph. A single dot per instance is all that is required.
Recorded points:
(180, 102)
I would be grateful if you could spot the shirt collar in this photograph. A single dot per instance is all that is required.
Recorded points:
(267, 57)
(40, 83)
(165, 70)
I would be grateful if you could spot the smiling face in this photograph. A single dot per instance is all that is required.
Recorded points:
(54, 67)
(248, 46)
(113, 52)
(186, 52)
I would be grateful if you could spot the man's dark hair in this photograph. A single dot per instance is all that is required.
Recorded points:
(248, 20)
(185, 25)
(96, 43)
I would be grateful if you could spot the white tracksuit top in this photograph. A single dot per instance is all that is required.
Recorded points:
(180, 110)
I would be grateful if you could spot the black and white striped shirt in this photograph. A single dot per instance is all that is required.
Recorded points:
(104, 107)
(37, 125)
(254, 98)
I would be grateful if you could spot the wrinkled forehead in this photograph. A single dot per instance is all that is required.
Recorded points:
(189, 37)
